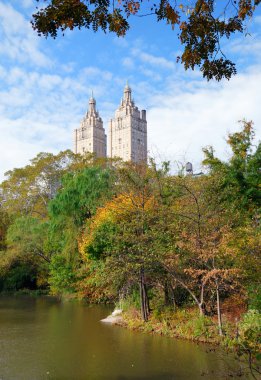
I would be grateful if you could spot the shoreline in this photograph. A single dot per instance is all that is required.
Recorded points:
(156, 327)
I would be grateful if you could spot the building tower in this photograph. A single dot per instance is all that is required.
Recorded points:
(128, 131)
(91, 137)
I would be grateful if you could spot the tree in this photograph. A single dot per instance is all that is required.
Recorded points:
(248, 342)
(28, 190)
(120, 236)
(25, 261)
(28, 236)
(240, 176)
(81, 193)
(239, 185)
(202, 24)
(203, 256)
(4, 223)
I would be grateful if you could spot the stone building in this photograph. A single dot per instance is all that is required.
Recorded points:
(128, 131)
(91, 137)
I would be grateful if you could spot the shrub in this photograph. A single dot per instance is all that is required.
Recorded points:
(62, 276)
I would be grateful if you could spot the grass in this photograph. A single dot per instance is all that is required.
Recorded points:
(183, 323)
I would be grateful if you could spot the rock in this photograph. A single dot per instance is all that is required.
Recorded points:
(116, 312)
(114, 318)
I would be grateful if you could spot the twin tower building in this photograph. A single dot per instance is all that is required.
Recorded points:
(127, 132)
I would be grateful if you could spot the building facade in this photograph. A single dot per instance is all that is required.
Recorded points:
(91, 137)
(128, 131)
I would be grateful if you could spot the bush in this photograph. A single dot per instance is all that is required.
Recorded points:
(254, 295)
(131, 301)
(62, 277)
(19, 276)
(249, 332)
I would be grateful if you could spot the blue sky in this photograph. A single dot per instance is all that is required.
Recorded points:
(45, 86)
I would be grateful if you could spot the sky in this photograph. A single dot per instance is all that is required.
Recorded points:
(45, 86)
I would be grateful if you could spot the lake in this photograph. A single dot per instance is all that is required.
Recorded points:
(41, 338)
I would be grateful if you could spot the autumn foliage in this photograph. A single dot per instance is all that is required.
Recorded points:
(201, 25)
(139, 235)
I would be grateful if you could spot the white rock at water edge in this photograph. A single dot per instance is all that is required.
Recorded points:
(116, 312)
(115, 317)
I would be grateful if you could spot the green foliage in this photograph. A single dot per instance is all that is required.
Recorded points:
(133, 233)
(200, 326)
(157, 301)
(132, 300)
(20, 275)
(4, 223)
(247, 343)
(81, 194)
(62, 275)
(240, 177)
(25, 261)
(102, 241)
(183, 323)
(28, 190)
(28, 236)
(254, 296)
(249, 331)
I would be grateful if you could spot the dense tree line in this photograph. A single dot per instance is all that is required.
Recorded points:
(114, 231)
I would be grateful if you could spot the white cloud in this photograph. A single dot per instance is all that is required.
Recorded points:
(152, 59)
(128, 63)
(150, 73)
(17, 39)
(27, 3)
(183, 121)
(39, 111)
(42, 102)
(121, 42)
(94, 72)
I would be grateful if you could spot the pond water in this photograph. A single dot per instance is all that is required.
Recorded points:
(41, 338)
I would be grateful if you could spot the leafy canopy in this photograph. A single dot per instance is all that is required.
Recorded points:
(28, 236)
(28, 190)
(241, 174)
(202, 24)
(81, 194)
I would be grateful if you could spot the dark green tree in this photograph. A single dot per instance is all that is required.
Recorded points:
(26, 259)
(80, 195)
(4, 223)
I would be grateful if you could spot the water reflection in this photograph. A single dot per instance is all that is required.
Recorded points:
(43, 339)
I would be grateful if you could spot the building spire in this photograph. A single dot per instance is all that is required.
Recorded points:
(92, 105)
(91, 137)
(127, 93)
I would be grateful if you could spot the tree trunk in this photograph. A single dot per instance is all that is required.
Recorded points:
(143, 297)
(202, 308)
(201, 304)
(219, 310)
(173, 300)
(167, 297)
